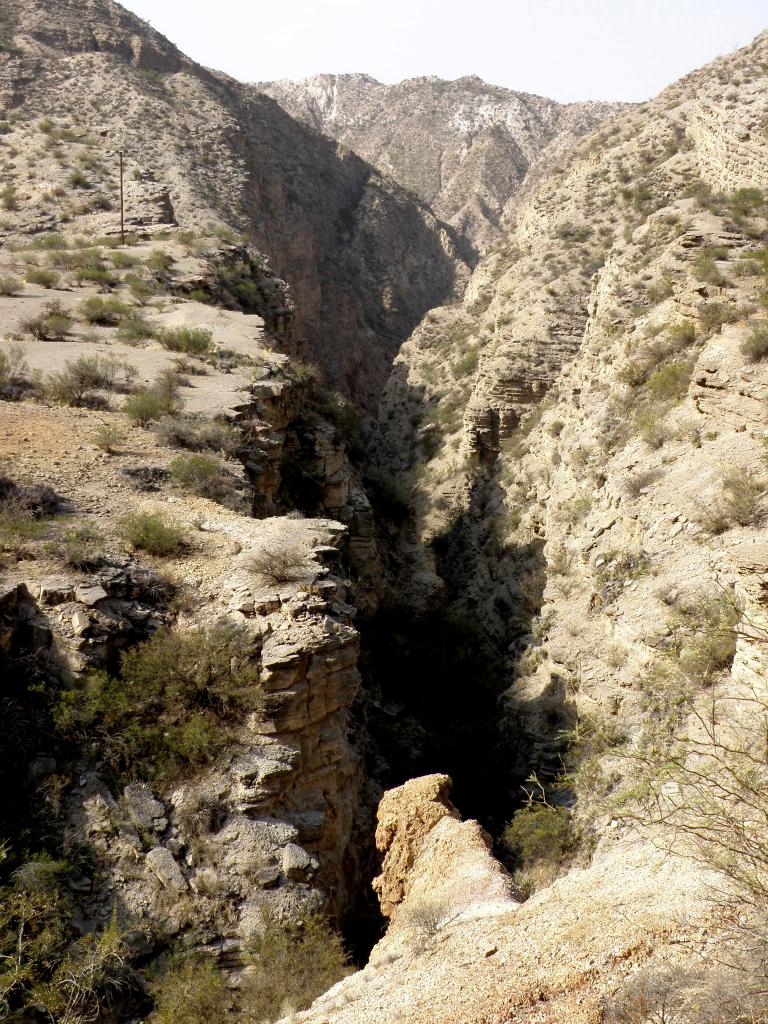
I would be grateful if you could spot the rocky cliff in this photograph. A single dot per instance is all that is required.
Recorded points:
(364, 258)
(466, 148)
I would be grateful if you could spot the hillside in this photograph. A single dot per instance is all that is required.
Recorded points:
(464, 147)
(202, 150)
(355, 596)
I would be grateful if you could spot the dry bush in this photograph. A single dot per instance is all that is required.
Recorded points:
(427, 915)
(684, 995)
(280, 561)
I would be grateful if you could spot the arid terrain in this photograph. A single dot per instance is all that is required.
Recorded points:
(383, 551)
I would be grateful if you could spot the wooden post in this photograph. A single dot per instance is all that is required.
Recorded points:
(122, 207)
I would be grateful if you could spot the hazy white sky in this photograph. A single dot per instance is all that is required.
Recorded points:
(565, 49)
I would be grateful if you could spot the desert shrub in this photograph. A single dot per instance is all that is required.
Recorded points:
(712, 316)
(680, 994)
(635, 484)
(280, 561)
(682, 334)
(191, 991)
(743, 496)
(425, 916)
(704, 635)
(97, 275)
(141, 289)
(76, 384)
(706, 267)
(199, 474)
(108, 438)
(190, 340)
(151, 403)
(152, 532)
(466, 363)
(52, 324)
(78, 180)
(17, 529)
(14, 372)
(197, 434)
(9, 198)
(172, 704)
(24, 513)
(45, 278)
(670, 382)
(79, 547)
(747, 202)
(9, 285)
(107, 312)
(48, 975)
(133, 328)
(539, 832)
(755, 345)
(123, 260)
(291, 965)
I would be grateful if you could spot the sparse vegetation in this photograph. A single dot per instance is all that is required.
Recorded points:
(153, 533)
(189, 340)
(106, 312)
(755, 345)
(280, 561)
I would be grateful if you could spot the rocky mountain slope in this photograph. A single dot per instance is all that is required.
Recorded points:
(229, 611)
(464, 147)
(209, 150)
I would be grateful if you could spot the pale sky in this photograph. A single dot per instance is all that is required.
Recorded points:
(564, 49)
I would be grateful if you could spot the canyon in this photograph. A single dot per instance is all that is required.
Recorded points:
(380, 517)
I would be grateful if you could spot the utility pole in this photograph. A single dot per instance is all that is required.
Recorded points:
(122, 206)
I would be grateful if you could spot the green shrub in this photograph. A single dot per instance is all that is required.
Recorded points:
(141, 290)
(743, 495)
(17, 528)
(96, 275)
(153, 533)
(747, 202)
(123, 260)
(466, 364)
(9, 285)
(704, 635)
(78, 180)
(291, 965)
(190, 340)
(198, 474)
(669, 383)
(107, 312)
(150, 403)
(48, 976)
(9, 198)
(45, 278)
(172, 705)
(755, 345)
(189, 991)
(540, 832)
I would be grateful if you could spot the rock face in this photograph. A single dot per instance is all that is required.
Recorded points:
(464, 147)
(224, 153)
